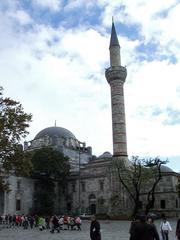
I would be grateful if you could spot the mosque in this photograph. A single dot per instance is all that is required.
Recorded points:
(90, 188)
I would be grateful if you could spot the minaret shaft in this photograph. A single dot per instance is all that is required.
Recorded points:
(116, 76)
(115, 59)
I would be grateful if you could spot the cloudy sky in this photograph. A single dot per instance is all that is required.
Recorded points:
(53, 57)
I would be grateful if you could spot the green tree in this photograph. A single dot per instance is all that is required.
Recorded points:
(139, 176)
(13, 127)
(153, 166)
(50, 167)
(44, 196)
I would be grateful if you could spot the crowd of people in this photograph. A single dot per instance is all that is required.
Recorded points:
(143, 228)
(53, 223)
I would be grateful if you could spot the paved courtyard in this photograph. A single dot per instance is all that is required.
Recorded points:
(114, 230)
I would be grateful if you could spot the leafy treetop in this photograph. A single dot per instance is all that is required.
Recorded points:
(50, 163)
(13, 127)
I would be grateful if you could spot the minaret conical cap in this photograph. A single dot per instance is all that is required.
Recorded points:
(114, 39)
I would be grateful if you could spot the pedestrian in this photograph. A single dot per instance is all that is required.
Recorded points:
(78, 223)
(66, 222)
(55, 224)
(47, 221)
(95, 233)
(14, 220)
(61, 222)
(165, 227)
(36, 219)
(31, 221)
(41, 223)
(25, 222)
(144, 231)
(72, 223)
(150, 221)
(10, 221)
(178, 229)
(132, 225)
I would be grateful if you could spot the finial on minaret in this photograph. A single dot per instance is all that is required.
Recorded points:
(114, 39)
(114, 48)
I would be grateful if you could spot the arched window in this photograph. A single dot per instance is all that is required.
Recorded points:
(92, 198)
(83, 185)
(163, 204)
(18, 204)
(101, 185)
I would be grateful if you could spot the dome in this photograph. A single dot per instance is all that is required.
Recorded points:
(105, 155)
(55, 131)
(166, 169)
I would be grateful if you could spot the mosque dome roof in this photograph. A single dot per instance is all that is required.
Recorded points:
(166, 169)
(105, 155)
(55, 131)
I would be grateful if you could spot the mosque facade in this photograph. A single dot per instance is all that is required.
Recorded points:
(91, 188)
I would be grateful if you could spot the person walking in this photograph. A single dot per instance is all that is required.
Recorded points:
(95, 233)
(31, 221)
(55, 224)
(61, 222)
(178, 229)
(144, 231)
(41, 223)
(78, 223)
(25, 222)
(132, 225)
(165, 227)
(72, 223)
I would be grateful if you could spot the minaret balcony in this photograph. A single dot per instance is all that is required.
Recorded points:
(115, 73)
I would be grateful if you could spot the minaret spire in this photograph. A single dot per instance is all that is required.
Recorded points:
(114, 48)
(114, 39)
(116, 75)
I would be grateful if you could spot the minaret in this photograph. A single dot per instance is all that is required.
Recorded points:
(116, 75)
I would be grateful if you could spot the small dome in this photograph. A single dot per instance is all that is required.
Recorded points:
(166, 169)
(105, 155)
(55, 131)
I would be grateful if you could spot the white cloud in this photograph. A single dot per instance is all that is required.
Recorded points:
(151, 84)
(58, 80)
(53, 5)
(58, 74)
(88, 45)
(155, 20)
(21, 17)
(154, 85)
(75, 4)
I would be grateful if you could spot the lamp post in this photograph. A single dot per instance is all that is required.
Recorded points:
(80, 146)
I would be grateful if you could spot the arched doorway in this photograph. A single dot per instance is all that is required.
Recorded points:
(93, 209)
(69, 207)
(92, 204)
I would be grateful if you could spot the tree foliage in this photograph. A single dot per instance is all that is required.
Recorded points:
(13, 127)
(155, 174)
(50, 167)
(50, 163)
(139, 176)
(44, 196)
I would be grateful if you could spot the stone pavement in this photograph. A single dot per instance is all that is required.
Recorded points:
(114, 230)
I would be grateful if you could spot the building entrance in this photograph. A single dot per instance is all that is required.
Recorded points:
(93, 209)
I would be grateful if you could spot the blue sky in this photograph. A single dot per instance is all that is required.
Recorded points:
(53, 56)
